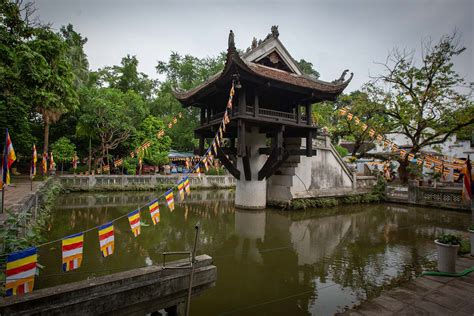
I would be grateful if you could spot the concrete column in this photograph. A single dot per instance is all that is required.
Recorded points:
(252, 194)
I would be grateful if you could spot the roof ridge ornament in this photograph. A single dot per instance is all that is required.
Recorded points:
(231, 42)
(342, 77)
(274, 32)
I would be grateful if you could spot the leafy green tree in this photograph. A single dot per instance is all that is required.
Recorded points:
(63, 150)
(184, 72)
(112, 116)
(157, 153)
(126, 77)
(16, 61)
(307, 68)
(368, 112)
(53, 92)
(76, 55)
(425, 100)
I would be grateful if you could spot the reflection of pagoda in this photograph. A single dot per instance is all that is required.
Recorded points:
(274, 100)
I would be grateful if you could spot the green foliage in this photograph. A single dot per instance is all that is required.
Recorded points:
(130, 165)
(157, 153)
(110, 115)
(307, 68)
(471, 227)
(63, 150)
(184, 72)
(341, 150)
(449, 239)
(423, 100)
(127, 77)
(216, 171)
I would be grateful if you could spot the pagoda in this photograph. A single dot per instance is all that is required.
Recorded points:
(272, 108)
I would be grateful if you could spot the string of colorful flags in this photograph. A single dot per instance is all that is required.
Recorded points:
(428, 161)
(21, 265)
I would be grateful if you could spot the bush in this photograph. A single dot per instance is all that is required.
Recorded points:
(449, 239)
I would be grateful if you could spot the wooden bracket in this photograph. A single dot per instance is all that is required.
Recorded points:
(227, 163)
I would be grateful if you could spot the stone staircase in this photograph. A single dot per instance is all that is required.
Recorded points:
(297, 174)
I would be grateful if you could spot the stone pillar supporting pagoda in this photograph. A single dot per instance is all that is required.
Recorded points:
(272, 108)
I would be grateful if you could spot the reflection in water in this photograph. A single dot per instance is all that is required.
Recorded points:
(269, 262)
(249, 227)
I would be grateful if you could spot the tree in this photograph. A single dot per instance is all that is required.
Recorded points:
(425, 101)
(63, 150)
(15, 31)
(184, 72)
(53, 92)
(307, 68)
(110, 115)
(157, 153)
(127, 77)
(369, 112)
(76, 55)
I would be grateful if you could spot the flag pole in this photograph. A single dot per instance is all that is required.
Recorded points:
(3, 169)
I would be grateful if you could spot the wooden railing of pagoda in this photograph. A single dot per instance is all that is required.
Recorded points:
(263, 113)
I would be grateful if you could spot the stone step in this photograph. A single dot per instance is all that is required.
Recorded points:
(286, 180)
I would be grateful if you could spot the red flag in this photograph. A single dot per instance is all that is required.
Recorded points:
(468, 183)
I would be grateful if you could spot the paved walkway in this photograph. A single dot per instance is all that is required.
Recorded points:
(426, 295)
(17, 192)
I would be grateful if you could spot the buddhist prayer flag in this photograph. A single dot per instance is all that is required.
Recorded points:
(134, 220)
(34, 159)
(214, 146)
(428, 164)
(455, 176)
(419, 162)
(356, 120)
(205, 163)
(118, 163)
(438, 168)
(44, 163)
(20, 271)
(350, 116)
(468, 181)
(379, 138)
(180, 114)
(181, 189)
(221, 133)
(371, 132)
(411, 157)
(394, 147)
(106, 239)
(186, 185)
(386, 143)
(226, 118)
(154, 211)
(343, 111)
(364, 127)
(72, 247)
(8, 158)
(170, 125)
(75, 160)
(170, 199)
(51, 161)
(402, 153)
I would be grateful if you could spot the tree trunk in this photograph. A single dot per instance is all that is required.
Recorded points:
(62, 167)
(403, 171)
(46, 137)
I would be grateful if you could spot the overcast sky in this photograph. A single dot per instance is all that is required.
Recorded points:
(333, 35)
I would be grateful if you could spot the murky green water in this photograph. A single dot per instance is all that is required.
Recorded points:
(269, 262)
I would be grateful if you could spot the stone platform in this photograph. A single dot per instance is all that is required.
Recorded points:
(426, 295)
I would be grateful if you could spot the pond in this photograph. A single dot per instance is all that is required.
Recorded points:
(315, 261)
